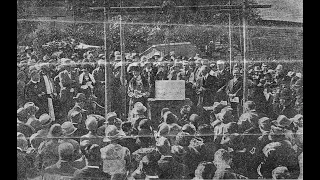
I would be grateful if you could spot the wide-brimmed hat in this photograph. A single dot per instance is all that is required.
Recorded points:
(45, 120)
(91, 123)
(282, 121)
(194, 118)
(225, 115)
(55, 131)
(163, 129)
(68, 128)
(170, 118)
(189, 128)
(135, 66)
(265, 124)
(22, 141)
(297, 120)
(110, 117)
(80, 97)
(75, 116)
(141, 109)
(65, 149)
(30, 106)
(112, 133)
(217, 107)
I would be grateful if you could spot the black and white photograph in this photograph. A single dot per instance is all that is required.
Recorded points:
(159, 89)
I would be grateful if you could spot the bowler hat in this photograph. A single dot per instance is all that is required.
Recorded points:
(282, 121)
(265, 124)
(30, 106)
(55, 131)
(68, 128)
(189, 128)
(112, 133)
(139, 109)
(80, 97)
(110, 117)
(75, 116)
(45, 120)
(65, 149)
(91, 123)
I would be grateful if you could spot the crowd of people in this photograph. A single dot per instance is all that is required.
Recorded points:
(63, 131)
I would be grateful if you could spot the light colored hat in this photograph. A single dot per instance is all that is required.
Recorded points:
(112, 133)
(68, 128)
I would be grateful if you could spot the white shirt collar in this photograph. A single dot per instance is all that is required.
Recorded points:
(97, 167)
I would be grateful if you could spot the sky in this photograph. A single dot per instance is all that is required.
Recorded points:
(285, 10)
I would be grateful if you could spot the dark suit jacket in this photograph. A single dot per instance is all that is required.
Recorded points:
(61, 168)
(92, 173)
(210, 88)
(235, 88)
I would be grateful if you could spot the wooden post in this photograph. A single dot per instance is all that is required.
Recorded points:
(107, 61)
(244, 32)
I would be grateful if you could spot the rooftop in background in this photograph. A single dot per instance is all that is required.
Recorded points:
(282, 10)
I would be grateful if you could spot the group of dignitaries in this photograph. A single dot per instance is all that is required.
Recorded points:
(63, 130)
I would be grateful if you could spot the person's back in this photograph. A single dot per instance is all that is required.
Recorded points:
(22, 165)
(63, 167)
(114, 159)
(48, 150)
(93, 170)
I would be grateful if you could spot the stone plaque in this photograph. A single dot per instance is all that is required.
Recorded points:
(170, 90)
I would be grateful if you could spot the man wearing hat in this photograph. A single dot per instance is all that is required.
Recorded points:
(94, 162)
(23, 164)
(50, 89)
(139, 113)
(162, 72)
(205, 87)
(35, 91)
(63, 167)
(67, 86)
(99, 76)
(80, 105)
(92, 127)
(173, 74)
(284, 104)
(116, 158)
(42, 133)
(222, 74)
(149, 73)
(48, 149)
(31, 110)
(234, 91)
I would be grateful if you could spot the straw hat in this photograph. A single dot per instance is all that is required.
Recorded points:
(112, 133)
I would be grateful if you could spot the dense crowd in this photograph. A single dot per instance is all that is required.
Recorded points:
(63, 131)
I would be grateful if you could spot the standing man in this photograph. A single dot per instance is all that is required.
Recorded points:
(35, 92)
(234, 90)
(67, 87)
(205, 87)
(99, 76)
(223, 77)
(50, 89)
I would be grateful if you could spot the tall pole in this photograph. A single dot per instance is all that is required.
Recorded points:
(123, 62)
(107, 61)
(244, 32)
(230, 36)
